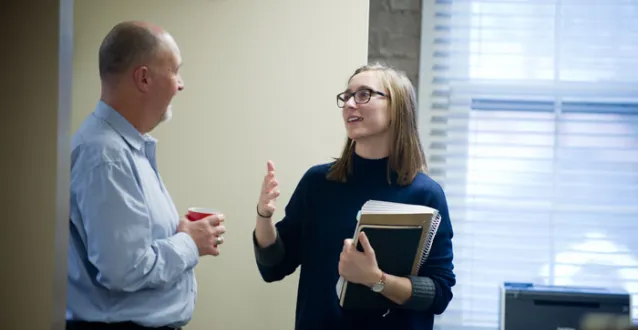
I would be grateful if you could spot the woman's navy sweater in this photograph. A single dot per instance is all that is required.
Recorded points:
(322, 213)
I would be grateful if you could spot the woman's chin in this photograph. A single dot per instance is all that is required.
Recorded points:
(360, 135)
(355, 133)
(354, 136)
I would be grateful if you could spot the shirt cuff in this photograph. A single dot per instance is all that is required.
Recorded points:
(423, 292)
(270, 255)
(186, 248)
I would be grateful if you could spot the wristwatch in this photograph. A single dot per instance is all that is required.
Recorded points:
(380, 285)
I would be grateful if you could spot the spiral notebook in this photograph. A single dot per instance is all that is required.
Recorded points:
(401, 236)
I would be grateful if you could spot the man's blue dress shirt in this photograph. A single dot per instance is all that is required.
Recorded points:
(126, 261)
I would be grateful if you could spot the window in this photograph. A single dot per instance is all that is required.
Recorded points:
(529, 117)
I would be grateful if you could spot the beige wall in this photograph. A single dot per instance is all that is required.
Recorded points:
(261, 79)
(35, 162)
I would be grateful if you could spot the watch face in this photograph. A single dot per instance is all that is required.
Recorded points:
(377, 287)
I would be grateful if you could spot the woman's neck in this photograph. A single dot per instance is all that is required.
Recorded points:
(372, 149)
(370, 165)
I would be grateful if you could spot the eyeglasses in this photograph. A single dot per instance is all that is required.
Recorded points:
(361, 96)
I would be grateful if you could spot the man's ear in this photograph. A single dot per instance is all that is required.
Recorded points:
(142, 78)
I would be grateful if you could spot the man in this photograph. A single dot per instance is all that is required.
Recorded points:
(131, 257)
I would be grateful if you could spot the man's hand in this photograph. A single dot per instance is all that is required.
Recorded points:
(205, 233)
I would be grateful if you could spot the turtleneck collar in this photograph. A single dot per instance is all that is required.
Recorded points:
(370, 170)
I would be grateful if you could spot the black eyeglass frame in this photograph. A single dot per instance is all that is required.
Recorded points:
(367, 96)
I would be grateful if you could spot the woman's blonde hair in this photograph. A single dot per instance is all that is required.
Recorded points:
(406, 157)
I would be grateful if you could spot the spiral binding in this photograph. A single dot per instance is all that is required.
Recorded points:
(434, 227)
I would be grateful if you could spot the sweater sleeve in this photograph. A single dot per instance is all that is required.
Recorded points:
(282, 258)
(432, 289)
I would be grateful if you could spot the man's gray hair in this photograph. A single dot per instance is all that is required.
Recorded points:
(126, 45)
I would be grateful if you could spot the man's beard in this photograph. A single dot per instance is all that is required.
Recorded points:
(168, 114)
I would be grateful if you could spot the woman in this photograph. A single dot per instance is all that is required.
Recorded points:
(383, 160)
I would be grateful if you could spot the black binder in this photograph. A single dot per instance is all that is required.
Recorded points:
(401, 236)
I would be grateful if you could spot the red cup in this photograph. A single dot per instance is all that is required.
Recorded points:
(198, 213)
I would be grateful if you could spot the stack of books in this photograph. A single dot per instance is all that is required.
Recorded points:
(401, 236)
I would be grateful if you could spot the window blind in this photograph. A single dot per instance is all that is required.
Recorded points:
(529, 117)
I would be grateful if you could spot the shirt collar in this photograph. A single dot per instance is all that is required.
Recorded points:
(130, 134)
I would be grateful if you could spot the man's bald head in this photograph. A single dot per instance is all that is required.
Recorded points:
(139, 67)
(129, 44)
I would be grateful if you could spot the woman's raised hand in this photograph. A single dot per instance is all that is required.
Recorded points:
(269, 193)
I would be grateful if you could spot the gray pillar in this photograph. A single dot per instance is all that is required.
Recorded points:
(37, 42)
